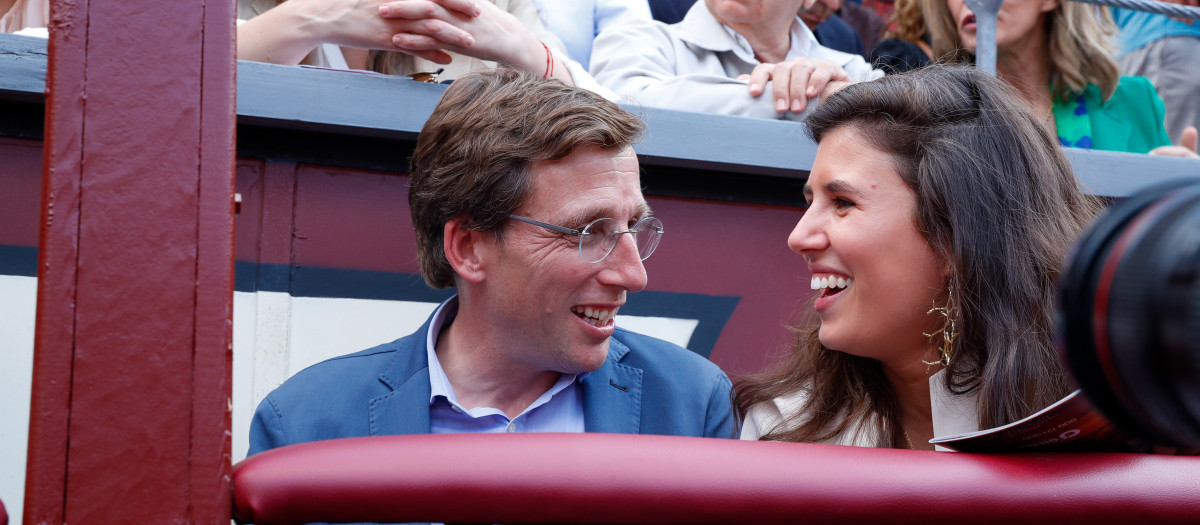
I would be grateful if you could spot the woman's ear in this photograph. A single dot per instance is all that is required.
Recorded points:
(1049, 5)
(947, 264)
(465, 249)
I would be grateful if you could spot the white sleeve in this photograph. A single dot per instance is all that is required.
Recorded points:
(639, 61)
(616, 13)
(583, 79)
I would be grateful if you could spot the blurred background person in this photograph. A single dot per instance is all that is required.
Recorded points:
(1165, 51)
(1058, 55)
(751, 58)
(869, 25)
(973, 206)
(907, 46)
(404, 37)
(16, 15)
(577, 22)
(829, 28)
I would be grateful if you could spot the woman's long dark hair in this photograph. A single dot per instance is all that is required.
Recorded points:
(996, 195)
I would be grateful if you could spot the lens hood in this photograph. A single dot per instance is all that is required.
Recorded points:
(1129, 313)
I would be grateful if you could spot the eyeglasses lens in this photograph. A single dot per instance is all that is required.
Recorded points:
(602, 235)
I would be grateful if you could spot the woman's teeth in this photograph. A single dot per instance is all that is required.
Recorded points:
(595, 316)
(820, 283)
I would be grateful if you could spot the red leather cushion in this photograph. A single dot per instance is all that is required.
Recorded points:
(3, 514)
(612, 478)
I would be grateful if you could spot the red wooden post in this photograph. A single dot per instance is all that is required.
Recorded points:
(130, 416)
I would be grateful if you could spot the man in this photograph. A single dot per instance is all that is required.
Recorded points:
(525, 198)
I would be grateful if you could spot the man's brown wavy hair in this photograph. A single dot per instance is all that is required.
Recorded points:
(474, 155)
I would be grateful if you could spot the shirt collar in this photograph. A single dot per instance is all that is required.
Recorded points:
(439, 384)
(700, 28)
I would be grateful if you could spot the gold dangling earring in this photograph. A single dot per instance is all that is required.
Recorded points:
(949, 330)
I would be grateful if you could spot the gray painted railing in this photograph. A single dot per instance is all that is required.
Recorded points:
(734, 158)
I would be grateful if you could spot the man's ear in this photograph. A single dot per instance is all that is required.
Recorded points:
(466, 249)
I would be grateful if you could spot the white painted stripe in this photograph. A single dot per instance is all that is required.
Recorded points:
(18, 308)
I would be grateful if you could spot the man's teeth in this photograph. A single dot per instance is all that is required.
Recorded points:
(820, 283)
(596, 316)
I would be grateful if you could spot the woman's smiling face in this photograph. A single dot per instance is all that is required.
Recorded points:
(876, 274)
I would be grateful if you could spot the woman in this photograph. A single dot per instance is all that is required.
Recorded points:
(724, 57)
(1059, 56)
(940, 211)
(907, 46)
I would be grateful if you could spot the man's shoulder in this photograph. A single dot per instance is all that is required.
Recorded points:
(363, 368)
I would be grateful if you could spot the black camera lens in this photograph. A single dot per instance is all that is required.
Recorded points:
(1129, 314)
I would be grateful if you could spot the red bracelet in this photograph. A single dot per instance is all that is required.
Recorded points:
(549, 61)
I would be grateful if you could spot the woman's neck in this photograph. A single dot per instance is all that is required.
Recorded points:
(910, 384)
(1026, 66)
(770, 40)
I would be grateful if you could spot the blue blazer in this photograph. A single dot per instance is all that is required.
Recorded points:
(646, 386)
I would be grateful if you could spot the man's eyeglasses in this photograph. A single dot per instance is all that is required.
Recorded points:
(599, 237)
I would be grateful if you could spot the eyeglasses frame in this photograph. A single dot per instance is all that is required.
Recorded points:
(580, 234)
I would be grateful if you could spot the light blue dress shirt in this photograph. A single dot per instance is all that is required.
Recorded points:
(559, 409)
(577, 22)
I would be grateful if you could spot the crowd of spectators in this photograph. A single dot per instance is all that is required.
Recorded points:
(754, 58)
(941, 169)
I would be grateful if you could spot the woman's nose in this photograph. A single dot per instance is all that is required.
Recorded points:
(808, 235)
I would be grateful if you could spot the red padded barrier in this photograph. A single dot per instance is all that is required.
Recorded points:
(613, 478)
(3, 514)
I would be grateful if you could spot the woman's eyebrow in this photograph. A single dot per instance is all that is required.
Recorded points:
(841, 186)
(835, 186)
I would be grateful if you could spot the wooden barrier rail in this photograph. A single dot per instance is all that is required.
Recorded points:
(626, 479)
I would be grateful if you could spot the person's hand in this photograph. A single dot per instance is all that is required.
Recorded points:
(795, 81)
(1185, 149)
(429, 28)
(287, 32)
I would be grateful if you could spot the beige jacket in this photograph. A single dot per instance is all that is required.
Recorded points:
(951, 415)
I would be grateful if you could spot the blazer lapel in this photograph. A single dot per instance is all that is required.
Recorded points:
(405, 410)
(1110, 129)
(612, 395)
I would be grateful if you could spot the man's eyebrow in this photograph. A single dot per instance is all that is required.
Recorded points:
(587, 215)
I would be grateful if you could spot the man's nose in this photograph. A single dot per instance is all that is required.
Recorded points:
(624, 266)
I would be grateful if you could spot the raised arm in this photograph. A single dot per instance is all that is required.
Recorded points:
(289, 31)
(431, 28)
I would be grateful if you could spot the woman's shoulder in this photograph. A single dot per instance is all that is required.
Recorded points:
(768, 416)
(1135, 86)
(1135, 103)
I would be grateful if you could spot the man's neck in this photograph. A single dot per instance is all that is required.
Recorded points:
(770, 41)
(482, 373)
